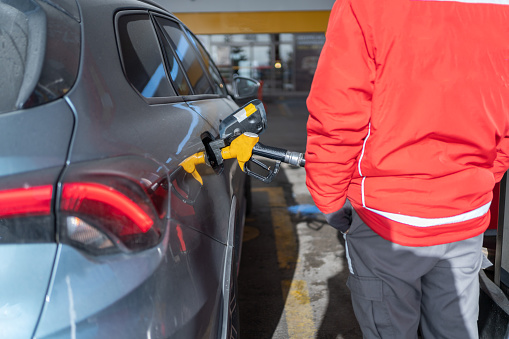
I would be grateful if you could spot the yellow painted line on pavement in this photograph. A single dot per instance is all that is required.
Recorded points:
(299, 314)
(286, 240)
(282, 109)
(298, 310)
(250, 233)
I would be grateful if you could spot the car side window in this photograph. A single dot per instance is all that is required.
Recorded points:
(141, 57)
(214, 74)
(187, 56)
(177, 74)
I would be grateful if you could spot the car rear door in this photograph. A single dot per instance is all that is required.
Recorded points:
(205, 93)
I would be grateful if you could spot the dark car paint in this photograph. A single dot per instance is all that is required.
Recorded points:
(175, 289)
(35, 139)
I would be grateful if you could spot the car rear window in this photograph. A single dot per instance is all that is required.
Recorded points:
(39, 52)
(141, 56)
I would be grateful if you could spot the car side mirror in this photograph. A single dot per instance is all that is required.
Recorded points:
(245, 89)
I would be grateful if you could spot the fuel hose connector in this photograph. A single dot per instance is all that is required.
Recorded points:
(292, 158)
(295, 159)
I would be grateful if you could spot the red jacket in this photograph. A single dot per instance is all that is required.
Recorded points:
(409, 116)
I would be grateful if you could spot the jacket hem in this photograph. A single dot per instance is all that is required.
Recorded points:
(414, 236)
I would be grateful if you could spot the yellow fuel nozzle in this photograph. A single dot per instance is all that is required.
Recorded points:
(189, 165)
(241, 148)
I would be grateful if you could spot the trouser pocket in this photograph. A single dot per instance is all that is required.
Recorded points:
(369, 307)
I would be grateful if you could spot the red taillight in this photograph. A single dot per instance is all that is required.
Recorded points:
(99, 218)
(29, 201)
(86, 197)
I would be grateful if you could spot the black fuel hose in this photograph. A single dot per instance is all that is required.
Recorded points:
(275, 153)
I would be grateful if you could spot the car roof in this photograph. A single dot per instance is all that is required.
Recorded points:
(131, 4)
(150, 2)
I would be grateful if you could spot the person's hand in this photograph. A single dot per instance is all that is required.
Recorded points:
(341, 219)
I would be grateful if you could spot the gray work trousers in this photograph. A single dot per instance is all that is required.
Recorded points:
(395, 288)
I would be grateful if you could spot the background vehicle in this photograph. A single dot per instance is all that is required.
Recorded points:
(102, 234)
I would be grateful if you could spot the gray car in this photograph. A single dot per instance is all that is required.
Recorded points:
(102, 234)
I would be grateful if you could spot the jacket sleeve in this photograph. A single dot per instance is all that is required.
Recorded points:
(339, 104)
(501, 163)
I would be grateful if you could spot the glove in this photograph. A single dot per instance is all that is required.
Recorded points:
(341, 219)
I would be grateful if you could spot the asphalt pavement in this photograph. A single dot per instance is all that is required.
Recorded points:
(292, 278)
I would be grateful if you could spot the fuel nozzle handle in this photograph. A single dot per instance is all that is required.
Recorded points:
(292, 158)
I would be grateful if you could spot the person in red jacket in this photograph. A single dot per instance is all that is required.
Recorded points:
(409, 120)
